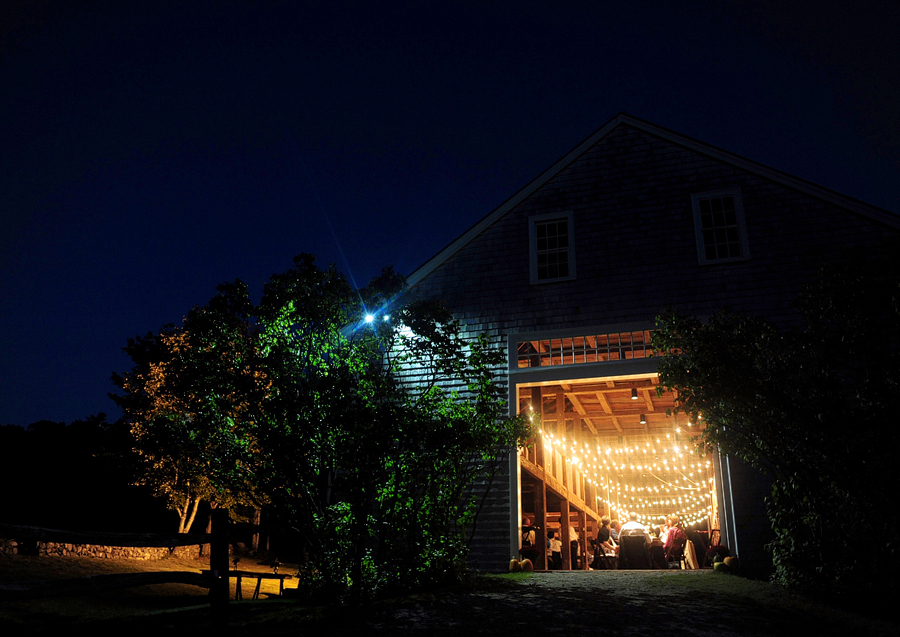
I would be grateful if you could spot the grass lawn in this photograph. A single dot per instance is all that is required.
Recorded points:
(30, 615)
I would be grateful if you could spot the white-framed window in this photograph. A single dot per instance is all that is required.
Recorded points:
(552, 243)
(719, 225)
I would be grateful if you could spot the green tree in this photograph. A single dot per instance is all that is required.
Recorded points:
(363, 417)
(813, 408)
(191, 402)
(376, 429)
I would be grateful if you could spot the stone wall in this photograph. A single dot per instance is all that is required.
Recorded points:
(190, 551)
(16, 540)
(122, 552)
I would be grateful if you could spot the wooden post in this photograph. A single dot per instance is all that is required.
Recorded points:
(564, 533)
(254, 540)
(540, 521)
(561, 433)
(582, 540)
(218, 567)
(537, 405)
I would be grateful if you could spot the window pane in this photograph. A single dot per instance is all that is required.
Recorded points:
(552, 249)
(720, 228)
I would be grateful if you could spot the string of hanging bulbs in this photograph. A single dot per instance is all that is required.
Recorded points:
(650, 476)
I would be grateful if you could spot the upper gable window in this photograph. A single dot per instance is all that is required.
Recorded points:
(719, 223)
(552, 242)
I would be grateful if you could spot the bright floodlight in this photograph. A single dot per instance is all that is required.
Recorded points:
(369, 318)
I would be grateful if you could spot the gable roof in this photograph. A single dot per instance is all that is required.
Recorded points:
(777, 176)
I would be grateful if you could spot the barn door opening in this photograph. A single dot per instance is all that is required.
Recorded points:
(607, 447)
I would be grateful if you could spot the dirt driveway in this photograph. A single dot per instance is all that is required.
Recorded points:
(633, 603)
(628, 603)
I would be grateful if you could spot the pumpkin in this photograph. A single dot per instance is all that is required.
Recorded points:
(721, 567)
(515, 566)
(527, 566)
(731, 562)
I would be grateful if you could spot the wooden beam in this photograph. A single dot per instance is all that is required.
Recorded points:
(576, 403)
(615, 421)
(557, 487)
(648, 400)
(607, 388)
(604, 403)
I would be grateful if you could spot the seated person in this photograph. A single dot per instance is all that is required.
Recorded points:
(676, 538)
(604, 537)
(633, 527)
(664, 531)
(529, 548)
(614, 527)
(634, 541)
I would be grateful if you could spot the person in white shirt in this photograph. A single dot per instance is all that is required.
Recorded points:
(633, 527)
(555, 550)
(574, 547)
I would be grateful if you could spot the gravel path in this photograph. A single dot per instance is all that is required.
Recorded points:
(627, 603)
(633, 603)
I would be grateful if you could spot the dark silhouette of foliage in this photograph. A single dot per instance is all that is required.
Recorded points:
(74, 477)
(813, 408)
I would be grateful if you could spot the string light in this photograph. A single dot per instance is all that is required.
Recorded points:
(650, 480)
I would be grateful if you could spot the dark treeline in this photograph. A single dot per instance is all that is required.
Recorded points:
(75, 477)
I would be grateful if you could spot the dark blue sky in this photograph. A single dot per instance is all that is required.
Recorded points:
(149, 151)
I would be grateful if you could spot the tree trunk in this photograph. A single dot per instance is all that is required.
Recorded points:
(209, 521)
(188, 513)
(254, 540)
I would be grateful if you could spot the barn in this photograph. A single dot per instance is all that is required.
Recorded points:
(568, 275)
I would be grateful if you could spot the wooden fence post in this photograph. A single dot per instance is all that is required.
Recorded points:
(219, 591)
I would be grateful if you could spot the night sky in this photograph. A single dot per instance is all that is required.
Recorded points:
(149, 150)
